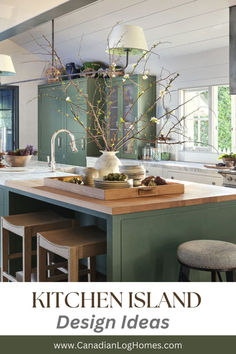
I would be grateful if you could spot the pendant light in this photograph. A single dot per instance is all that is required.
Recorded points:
(127, 40)
(6, 66)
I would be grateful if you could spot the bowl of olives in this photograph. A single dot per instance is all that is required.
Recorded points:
(113, 180)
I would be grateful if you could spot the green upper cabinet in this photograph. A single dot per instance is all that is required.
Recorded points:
(125, 100)
(129, 103)
(55, 113)
(49, 120)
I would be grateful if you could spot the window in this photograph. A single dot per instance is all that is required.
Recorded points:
(9, 120)
(210, 121)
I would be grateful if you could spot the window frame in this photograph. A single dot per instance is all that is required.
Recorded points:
(212, 118)
(15, 113)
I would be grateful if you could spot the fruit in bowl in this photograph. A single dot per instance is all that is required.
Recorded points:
(121, 177)
(20, 157)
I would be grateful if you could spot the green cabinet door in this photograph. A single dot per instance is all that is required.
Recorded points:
(55, 113)
(50, 119)
(131, 100)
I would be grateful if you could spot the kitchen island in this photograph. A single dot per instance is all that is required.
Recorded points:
(142, 234)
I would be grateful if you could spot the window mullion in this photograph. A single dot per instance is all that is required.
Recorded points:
(233, 122)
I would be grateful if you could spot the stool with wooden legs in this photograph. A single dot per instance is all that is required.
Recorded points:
(207, 255)
(26, 226)
(72, 244)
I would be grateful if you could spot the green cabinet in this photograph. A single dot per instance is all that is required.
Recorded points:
(55, 113)
(125, 100)
(130, 100)
(3, 209)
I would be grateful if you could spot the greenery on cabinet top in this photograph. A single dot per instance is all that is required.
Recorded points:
(123, 95)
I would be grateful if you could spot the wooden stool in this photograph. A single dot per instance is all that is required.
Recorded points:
(26, 226)
(207, 255)
(72, 244)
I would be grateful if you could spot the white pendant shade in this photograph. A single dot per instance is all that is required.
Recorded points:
(127, 37)
(6, 65)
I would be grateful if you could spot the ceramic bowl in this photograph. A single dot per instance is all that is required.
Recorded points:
(17, 161)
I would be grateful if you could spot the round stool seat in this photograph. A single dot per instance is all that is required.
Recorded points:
(208, 254)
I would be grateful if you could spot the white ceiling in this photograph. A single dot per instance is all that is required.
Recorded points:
(184, 27)
(14, 12)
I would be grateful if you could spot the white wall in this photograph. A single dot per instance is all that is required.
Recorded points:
(27, 66)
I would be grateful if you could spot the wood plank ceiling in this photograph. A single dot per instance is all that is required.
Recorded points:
(184, 27)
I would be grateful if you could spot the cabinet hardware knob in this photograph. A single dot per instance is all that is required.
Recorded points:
(213, 183)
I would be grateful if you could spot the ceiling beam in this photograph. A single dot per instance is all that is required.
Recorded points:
(46, 16)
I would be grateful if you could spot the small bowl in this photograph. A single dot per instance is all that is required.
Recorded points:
(17, 161)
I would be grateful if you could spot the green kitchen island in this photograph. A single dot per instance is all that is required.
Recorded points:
(142, 233)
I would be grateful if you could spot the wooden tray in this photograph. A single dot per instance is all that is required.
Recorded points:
(111, 194)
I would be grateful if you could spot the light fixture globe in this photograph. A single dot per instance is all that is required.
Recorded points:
(127, 38)
(6, 65)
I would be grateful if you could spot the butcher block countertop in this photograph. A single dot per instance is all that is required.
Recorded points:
(195, 194)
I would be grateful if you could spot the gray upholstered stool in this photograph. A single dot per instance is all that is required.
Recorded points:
(207, 255)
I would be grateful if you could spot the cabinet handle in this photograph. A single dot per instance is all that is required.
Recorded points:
(83, 143)
(213, 183)
(59, 139)
(172, 177)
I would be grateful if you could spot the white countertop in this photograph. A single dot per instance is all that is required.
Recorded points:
(36, 170)
(180, 165)
(39, 169)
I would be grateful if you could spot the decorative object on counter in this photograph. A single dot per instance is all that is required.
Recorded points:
(20, 157)
(156, 155)
(107, 163)
(111, 177)
(153, 181)
(89, 174)
(165, 156)
(135, 172)
(228, 159)
(147, 152)
(112, 190)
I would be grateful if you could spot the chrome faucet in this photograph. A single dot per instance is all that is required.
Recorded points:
(53, 139)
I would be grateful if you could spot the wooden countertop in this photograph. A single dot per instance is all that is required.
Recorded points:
(195, 194)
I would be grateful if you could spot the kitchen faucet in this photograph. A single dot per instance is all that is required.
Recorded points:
(53, 139)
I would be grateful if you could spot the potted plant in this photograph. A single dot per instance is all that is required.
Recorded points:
(20, 157)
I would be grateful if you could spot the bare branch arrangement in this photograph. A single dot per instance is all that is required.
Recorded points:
(169, 125)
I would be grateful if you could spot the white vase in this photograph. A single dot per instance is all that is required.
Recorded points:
(108, 162)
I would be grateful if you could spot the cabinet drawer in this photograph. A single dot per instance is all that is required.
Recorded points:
(154, 171)
(195, 177)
